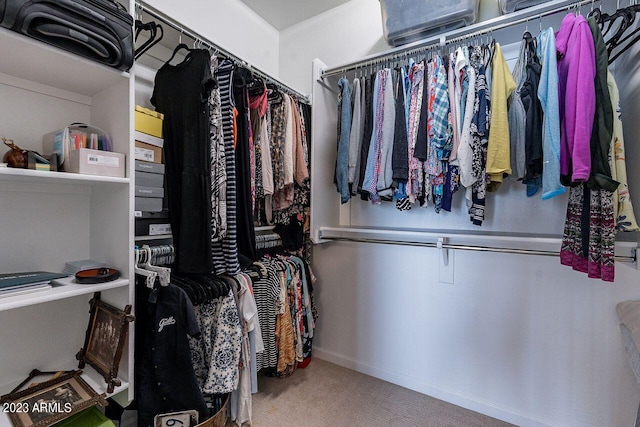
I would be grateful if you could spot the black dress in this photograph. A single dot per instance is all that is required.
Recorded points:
(181, 93)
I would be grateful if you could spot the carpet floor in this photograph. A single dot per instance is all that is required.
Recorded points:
(325, 394)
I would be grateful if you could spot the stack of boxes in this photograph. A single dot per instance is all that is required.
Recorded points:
(151, 218)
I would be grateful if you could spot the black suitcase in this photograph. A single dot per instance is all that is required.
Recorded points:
(97, 29)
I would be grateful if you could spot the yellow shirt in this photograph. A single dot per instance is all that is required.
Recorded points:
(498, 149)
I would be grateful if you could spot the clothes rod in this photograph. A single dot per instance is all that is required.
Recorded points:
(142, 7)
(630, 259)
(481, 28)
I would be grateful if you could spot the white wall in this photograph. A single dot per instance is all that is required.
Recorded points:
(230, 24)
(347, 32)
(517, 337)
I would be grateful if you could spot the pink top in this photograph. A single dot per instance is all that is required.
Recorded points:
(576, 92)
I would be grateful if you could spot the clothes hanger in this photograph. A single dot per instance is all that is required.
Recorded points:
(629, 39)
(164, 273)
(150, 276)
(153, 39)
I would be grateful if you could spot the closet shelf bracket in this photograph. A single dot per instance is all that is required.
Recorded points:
(443, 250)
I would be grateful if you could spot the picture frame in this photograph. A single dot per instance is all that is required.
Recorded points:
(105, 339)
(50, 401)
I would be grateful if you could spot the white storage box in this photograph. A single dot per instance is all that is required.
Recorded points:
(96, 162)
(508, 6)
(407, 21)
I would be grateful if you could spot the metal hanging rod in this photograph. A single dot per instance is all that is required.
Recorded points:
(196, 37)
(440, 41)
(631, 259)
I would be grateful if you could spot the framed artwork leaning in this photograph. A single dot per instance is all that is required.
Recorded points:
(106, 335)
(50, 401)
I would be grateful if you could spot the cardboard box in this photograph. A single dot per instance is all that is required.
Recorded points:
(155, 192)
(147, 152)
(156, 168)
(146, 179)
(96, 162)
(148, 204)
(74, 137)
(149, 121)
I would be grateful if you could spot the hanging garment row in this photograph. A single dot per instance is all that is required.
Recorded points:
(236, 153)
(208, 336)
(417, 133)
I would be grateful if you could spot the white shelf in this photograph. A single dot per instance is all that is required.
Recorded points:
(43, 177)
(38, 62)
(62, 288)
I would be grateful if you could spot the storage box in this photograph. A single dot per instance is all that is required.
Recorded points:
(152, 226)
(96, 162)
(73, 137)
(407, 21)
(148, 204)
(508, 6)
(145, 179)
(157, 168)
(149, 121)
(155, 192)
(147, 152)
(149, 139)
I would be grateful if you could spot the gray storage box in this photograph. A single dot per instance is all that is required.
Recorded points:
(508, 6)
(149, 192)
(410, 20)
(148, 204)
(149, 167)
(145, 179)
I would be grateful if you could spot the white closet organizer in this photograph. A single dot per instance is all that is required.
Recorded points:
(49, 218)
(514, 223)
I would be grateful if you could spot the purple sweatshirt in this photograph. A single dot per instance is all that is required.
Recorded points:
(577, 96)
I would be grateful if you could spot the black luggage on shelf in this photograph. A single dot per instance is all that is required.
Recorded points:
(100, 30)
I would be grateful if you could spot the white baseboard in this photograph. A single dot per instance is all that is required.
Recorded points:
(472, 403)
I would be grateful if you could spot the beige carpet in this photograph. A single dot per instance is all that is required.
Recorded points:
(325, 394)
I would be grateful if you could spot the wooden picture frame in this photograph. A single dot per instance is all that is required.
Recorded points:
(50, 401)
(105, 339)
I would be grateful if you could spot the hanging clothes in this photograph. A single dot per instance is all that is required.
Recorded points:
(216, 355)
(344, 133)
(498, 153)
(218, 162)
(518, 116)
(225, 253)
(355, 138)
(623, 208)
(246, 236)
(548, 95)
(576, 74)
(181, 93)
(533, 128)
(165, 380)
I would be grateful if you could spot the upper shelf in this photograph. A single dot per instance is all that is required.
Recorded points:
(33, 60)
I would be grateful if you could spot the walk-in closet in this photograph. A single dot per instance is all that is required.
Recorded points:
(302, 213)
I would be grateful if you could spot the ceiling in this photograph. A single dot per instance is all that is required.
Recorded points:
(285, 13)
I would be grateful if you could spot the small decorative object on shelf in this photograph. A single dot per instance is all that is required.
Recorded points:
(16, 157)
(97, 275)
(59, 396)
(105, 339)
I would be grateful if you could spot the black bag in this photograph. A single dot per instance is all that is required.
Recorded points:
(100, 30)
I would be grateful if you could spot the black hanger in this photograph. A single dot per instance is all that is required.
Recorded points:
(629, 39)
(154, 29)
(177, 49)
